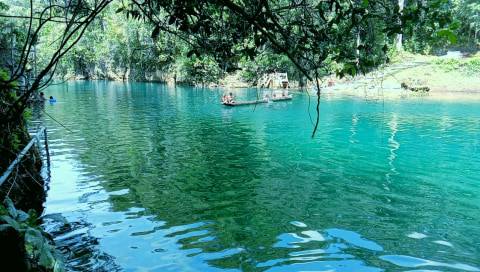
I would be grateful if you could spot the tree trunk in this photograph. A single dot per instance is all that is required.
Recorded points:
(357, 51)
(399, 40)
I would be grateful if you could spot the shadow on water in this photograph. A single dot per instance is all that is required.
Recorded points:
(166, 179)
(77, 246)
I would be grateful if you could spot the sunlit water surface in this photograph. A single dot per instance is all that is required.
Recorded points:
(152, 178)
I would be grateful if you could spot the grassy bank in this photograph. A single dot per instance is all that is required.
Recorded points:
(446, 78)
(444, 74)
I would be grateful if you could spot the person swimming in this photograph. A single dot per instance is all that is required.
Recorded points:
(52, 100)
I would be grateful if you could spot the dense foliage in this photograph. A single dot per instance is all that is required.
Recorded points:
(200, 41)
(39, 252)
(467, 14)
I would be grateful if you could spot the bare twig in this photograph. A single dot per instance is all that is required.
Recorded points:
(318, 104)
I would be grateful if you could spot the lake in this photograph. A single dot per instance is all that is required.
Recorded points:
(152, 178)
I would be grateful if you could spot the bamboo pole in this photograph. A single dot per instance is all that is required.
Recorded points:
(24, 151)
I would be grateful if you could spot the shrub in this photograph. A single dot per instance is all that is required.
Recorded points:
(40, 253)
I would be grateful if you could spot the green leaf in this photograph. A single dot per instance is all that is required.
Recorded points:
(3, 6)
(4, 227)
(455, 25)
(447, 33)
(46, 257)
(58, 267)
(3, 210)
(32, 218)
(39, 247)
(22, 216)
(34, 238)
(10, 221)
(10, 207)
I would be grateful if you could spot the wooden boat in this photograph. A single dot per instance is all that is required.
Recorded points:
(243, 103)
(253, 102)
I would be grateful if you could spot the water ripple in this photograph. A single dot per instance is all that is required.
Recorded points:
(165, 179)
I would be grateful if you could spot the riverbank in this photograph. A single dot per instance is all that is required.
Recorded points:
(26, 246)
(447, 78)
(450, 77)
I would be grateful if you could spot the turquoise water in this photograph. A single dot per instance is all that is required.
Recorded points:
(152, 178)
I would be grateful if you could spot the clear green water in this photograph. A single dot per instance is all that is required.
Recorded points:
(157, 179)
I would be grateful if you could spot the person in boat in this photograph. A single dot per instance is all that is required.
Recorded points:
(231, 98)
(52, 100)
(224, 99)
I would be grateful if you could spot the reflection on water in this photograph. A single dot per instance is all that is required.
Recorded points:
(394, 146)
(160, 179)
(407, 261)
